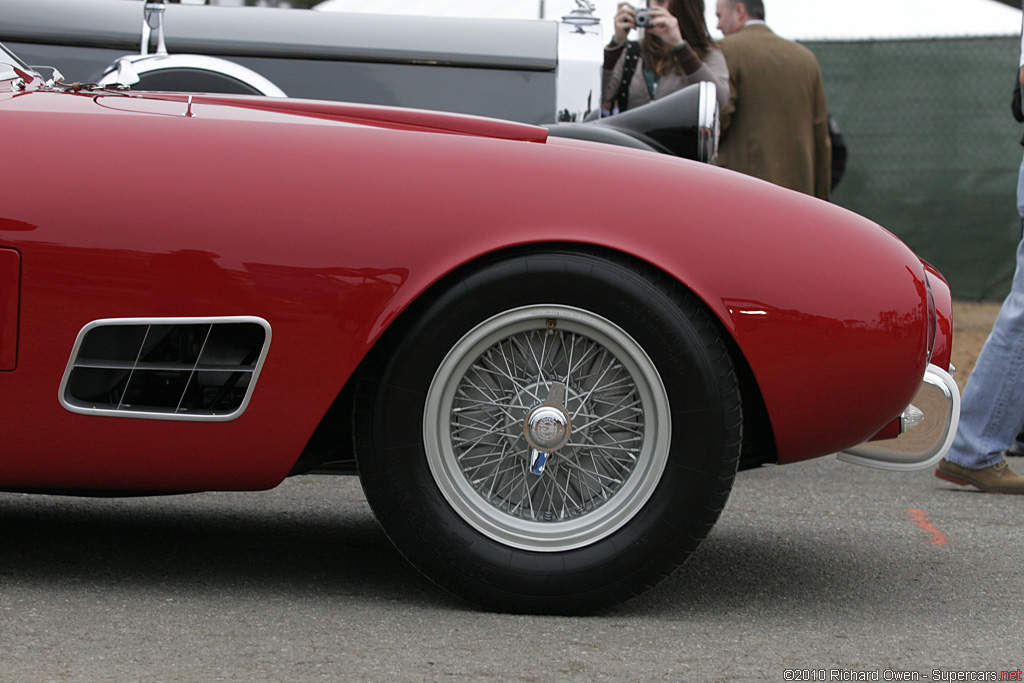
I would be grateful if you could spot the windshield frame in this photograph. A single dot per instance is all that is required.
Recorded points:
(8, 61)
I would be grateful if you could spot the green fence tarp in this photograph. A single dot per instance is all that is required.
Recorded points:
(934, 151)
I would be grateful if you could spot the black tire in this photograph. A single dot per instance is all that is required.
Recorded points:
(652, 452)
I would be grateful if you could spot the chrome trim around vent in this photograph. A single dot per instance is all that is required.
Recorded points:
(206, 367)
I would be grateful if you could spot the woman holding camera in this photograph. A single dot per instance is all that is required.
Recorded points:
(675, 51)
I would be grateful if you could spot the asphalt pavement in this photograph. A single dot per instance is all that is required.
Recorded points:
(816, 571)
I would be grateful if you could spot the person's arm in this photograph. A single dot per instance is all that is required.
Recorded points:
(612, 55)
(713, 69)
(611, 74)
(726, 112)
(625, 21)
(687, 59)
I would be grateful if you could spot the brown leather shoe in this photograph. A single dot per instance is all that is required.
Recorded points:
(998, 478)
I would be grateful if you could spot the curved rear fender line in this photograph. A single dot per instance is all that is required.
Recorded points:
(331, 441)
(413, 295)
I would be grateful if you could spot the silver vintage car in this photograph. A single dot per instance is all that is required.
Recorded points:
(532, 71)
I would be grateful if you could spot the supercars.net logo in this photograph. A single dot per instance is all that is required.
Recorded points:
(895, 675)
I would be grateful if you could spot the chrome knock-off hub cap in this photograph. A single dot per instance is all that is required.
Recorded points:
(547, 428)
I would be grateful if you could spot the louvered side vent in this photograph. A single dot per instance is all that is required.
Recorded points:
(166, 368)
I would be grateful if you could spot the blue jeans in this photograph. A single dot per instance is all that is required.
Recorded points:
(992, 410)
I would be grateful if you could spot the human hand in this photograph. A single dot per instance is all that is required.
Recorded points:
(664, 25)
(625, 21)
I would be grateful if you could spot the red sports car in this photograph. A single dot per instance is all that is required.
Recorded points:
(545, 358)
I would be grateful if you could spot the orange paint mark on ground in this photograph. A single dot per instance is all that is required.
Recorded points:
(921, 519)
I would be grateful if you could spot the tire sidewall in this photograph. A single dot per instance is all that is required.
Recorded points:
(681, 340)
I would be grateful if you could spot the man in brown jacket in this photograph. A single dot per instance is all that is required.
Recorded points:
(775, 125)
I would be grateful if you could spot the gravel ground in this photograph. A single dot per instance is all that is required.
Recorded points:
(971, 324)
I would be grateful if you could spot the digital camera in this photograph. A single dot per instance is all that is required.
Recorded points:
(642, 18)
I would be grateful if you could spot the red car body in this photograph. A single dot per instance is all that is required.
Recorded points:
(331, 221)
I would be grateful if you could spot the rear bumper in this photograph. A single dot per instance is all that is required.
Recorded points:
(924, 445)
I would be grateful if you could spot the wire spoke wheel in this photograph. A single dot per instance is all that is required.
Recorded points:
(477, 446)
(551, 432)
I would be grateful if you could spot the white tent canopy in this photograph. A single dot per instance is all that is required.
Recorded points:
(796, 19)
